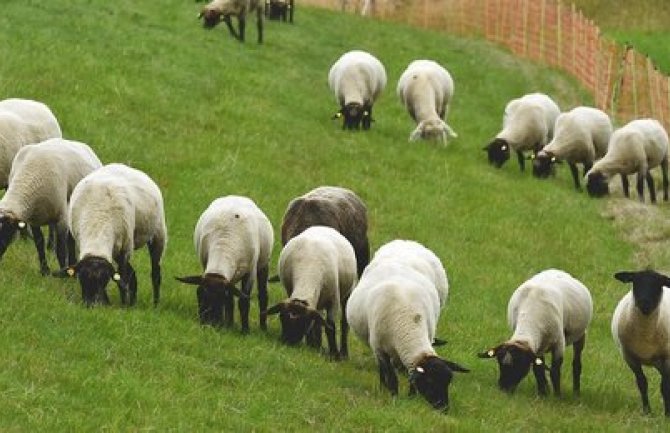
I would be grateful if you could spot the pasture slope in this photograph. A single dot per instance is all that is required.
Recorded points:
(205, 116)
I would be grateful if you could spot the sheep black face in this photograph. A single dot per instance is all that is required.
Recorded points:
(647, 288)
(8, 228)
(514, 362)
(431, 378)
(543, 164)
(297, 320)
(215, 294)
(498, 152)
(94, 273)
(597, 184)
(354, 114)
(210, 18)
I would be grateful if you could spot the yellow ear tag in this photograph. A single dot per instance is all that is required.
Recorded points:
(420, 369)
(491, 353)
(22, 225)
(365, 113)
(116, 276)
(553, 159)
(538, 361)
(70, 272)
(338, 115)
(503, 148)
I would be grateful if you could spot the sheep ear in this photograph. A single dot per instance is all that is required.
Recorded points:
(275, 309)
(490, 353)
(70, 271)
(414, 373)
(416, 134)
(336, 115)
(625, 277)
(195, 280)
(457, 367)
(439, 342)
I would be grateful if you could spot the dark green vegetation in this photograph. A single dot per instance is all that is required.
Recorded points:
(205, 116)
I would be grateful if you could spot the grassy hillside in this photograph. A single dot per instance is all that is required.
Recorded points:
(205, 116)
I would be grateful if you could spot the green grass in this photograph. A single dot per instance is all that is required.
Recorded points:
(205, 116)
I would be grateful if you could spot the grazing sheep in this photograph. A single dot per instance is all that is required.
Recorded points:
(426, 89)
(641, 326)
(335, 207)
(41, 181)
(394, 309)
(23, 121)
(218, 10)
(279, 10)
(357, 78)
(581, 136)
(528, 124)
(546, 313)
(637, 147)
(113, 211)
(233, 239)
(318, 270)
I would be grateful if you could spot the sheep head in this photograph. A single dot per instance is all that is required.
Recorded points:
(543, 164)
(514, 360)
(210, 17)
(498, 152)
(647, 288)
(432, 129)
(9, 225)
(431, 377)
(597, 184)
(93, 274)
(297, 320)
(353, 114)
(214, 292)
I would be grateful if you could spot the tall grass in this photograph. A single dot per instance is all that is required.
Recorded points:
(205, 116)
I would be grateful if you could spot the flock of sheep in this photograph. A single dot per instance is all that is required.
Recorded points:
(392, 301)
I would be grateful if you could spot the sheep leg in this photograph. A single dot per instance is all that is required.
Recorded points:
(244, 301)
(242, 24)
(555, 373)
(330, 335)
(578, 347)
(540, 378)
(640, 187)
(131, 278)
(665, 386)
(259, 24)
(641, 383)
(229, 24)
(262, 277)
(575, 175)
(344, 331)
(71, 250)
(664, 171)
(228, 308)
(155, 252)
(38, 239)
(61, 246)
(652, 187)
(521, 159)
(362, 258)
(624, 185)
(387, 376)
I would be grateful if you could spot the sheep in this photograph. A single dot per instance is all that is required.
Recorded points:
(426, 89)
(218, 10)
(640, 327)
(41, 181)
(113, 211)
(23, 121)
(357, 78)
(318, 270)
(233, 239)
(279, 9)
(331, 206)
(637, 147)
(394, 309)
(581, 136)
(546, 313)
(528, 124)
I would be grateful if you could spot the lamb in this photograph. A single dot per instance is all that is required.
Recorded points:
(528, 124)
(357, 78)
(637, 147)
(279, 9)
(640, 327)
(41, 181)
(233, 239)
(581, 136)
(546, 313)
(394, 309)
(218, 10)
(23, 121)
(113, 211)
(426, 89)
(331, 206)
(318, 270)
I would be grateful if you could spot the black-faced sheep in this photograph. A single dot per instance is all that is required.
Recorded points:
(637, 147)
(41, 182)
(357, 78)
(335, 207)
(318, 271)
(233, 239)
(394, 309)
(528, 124)
(113, 211)
(580, 136)
(221, 10)
(546, 313)
(641, 326)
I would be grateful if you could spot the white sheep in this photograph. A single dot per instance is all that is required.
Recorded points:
(233, 239)
(218, 10)
(581, 136)
(113, 211)
(357, 79)
(23, 121)
(641, 326)
(426, 89)
(528, 124)
(394, 309)
(637, 147)
(41, 181)
(318, 271)
(548, 312)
